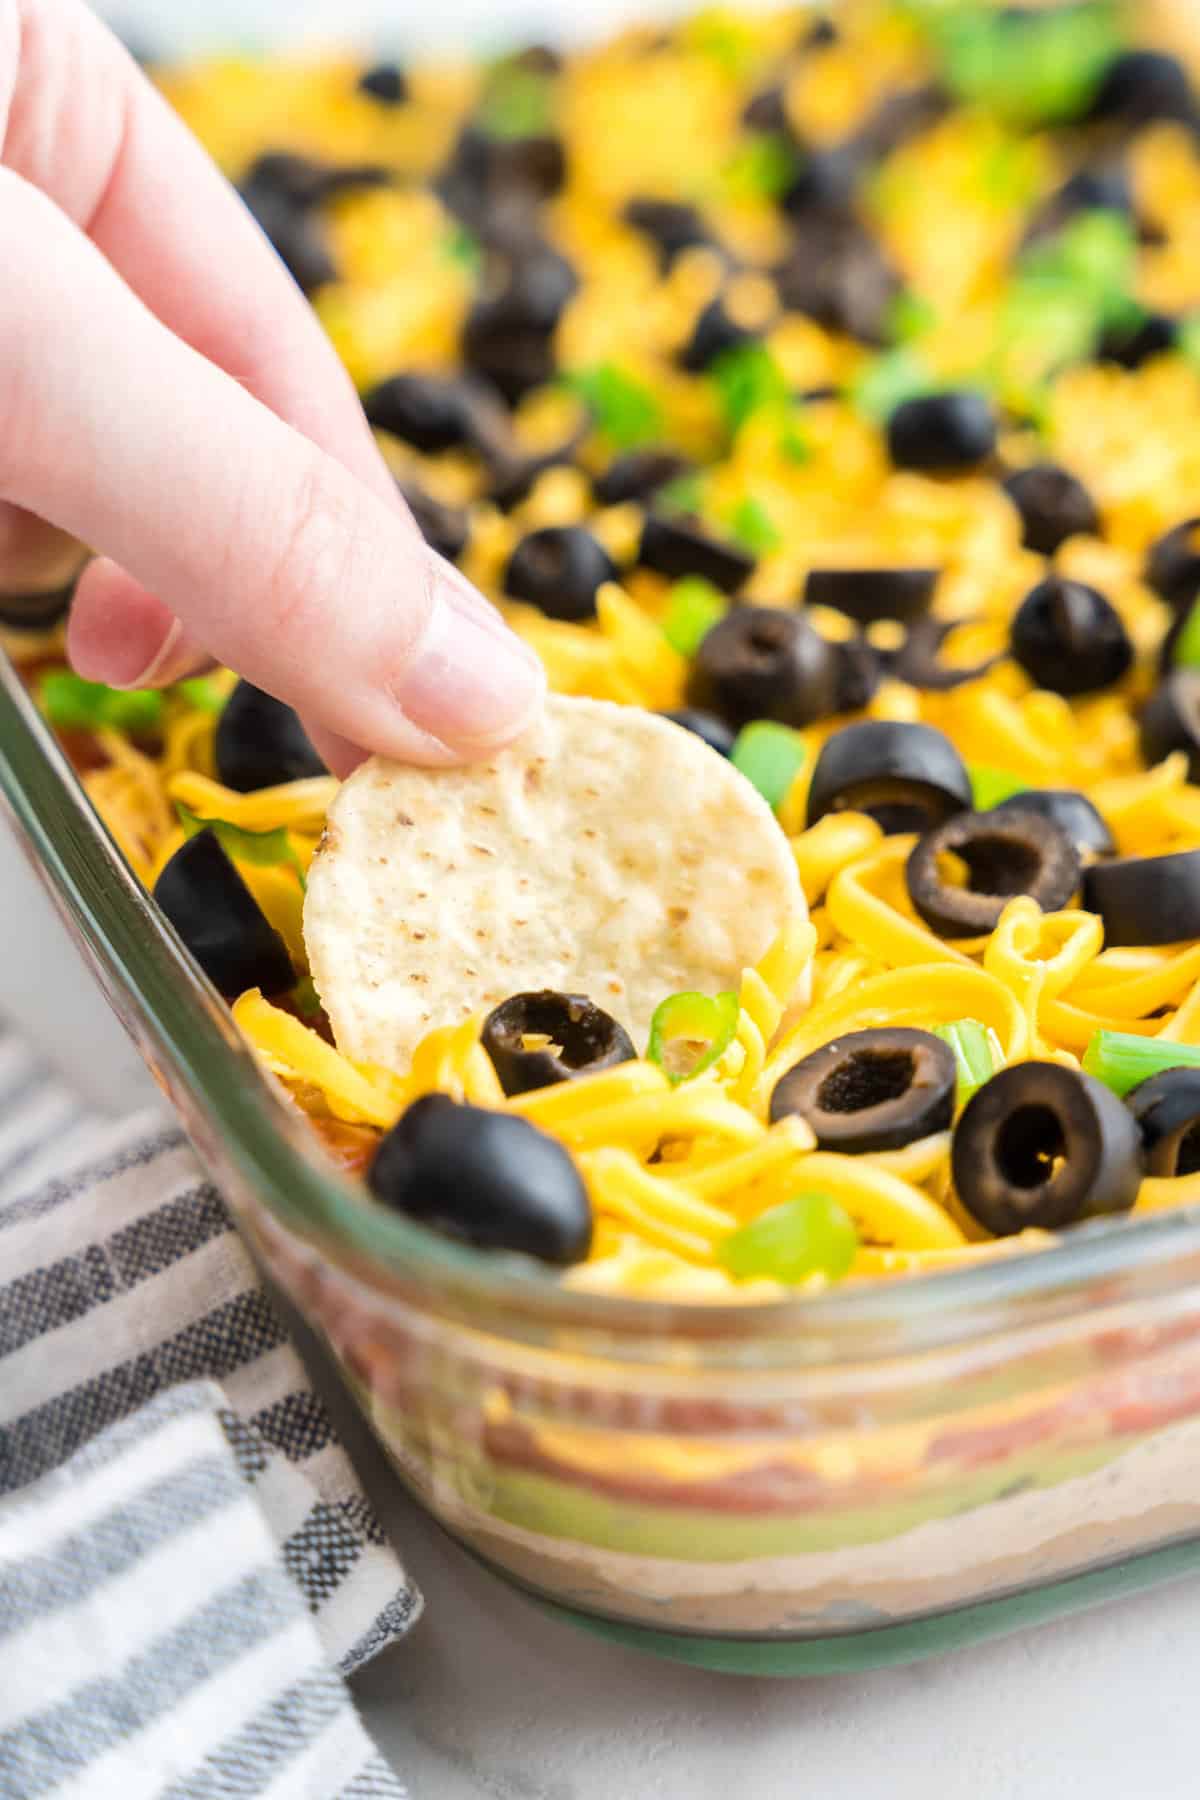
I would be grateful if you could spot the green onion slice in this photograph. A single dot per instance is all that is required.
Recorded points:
(694, 606)
(264, 849)
(977, 1052)
(810, 1235)
(624, 409)
(73, 704)
(1120, 1059)
(990, 786)
(752, 525)
(202, 692)
(770, 756)
(689, 1032)
(1186, 652)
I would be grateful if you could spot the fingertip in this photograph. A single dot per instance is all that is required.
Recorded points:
(122, 635)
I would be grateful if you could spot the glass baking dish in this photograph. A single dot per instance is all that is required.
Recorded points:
(815, 1485)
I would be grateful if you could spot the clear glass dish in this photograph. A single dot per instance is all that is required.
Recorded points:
(819, 1484)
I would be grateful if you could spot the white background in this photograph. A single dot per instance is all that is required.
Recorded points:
(489, 1700)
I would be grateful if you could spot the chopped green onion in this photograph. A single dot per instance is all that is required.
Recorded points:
(977, 1052)
(683, 495)
(722, 34)
(770, 756)
(264, 849)
(910, 316)
(810, 1235)
(73, 704)
(1186, 652)
(689, 1032)
(793, 446)
(624, 409)
(751, 525)
(1030, 68)
(1120, 1059)
(748, 380)
(462, 247)
(763, 166)
(517, 103)
(694, 606)
(202, 692)
(888, 380)
(306, 999)
(990, 786)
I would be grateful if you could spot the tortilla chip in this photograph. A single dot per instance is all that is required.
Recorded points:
(608, 853)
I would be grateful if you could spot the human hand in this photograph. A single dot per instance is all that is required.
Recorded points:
(171, 401)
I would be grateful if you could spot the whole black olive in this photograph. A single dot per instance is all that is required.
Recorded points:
(908, 777)
(446, 529)
(260, 742)
(870, 594)
(385, 82)
(759, 662)
(1006, 852)
(1053, 505)
(671, 226)
(1173, 566)
(487, 1178)
(1043, 1146)
(918, 660)
(577, 1038)
(1140, 86)
(1072, 812)
(1166, 1109)
(943, 432)
(430, 412)
(872, 1090)
(559, 570)
(715, 332)
(1067, 637)
(220, 922)
(1171, 720)
(1146, 899)
(676, 547)
(638, 475)
(1130, 344)
(710, 730)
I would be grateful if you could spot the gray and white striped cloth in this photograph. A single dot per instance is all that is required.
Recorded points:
(186, 1558)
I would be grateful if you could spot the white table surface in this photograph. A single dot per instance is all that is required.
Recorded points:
(489, 1699)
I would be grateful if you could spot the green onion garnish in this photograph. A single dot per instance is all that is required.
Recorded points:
(1186, 653)
(748, 379)
(910, 316)
(888, 380)
(694, 606)
(793, 446)
(462, 247)
(623, 409)
(306, 999)
(690, 1031)
(517, 103)
(752, 526)
(1030, 68)
(763, 166)
(1120, 1059)
(683, 495)
(990, 786)
(770, 756)
(976, 1051)
(810, 1235)
(202, 692)
(73, 704)
(264, 849)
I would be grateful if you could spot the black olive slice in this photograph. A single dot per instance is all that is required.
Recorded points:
(760, 662)
(446, 529)
(638, 475)
(706, 726)
(907, 777)
(903, 114)
(1173, 566)
(436, 412)
(260, 742)
(872, 1090)
(220, 922)
(859, 672)
(1146, 899)
(1006, 853)
(715, 332)
(508, 335)
(495, 184)
(870, 594)
(575, 1038)
(1072, 812)
(943, 432)
(766, 111)
(671, 225)
(1171, 720)
(36, 612)
(1068, 638)
(385, 82)
(559, 570)
(1043, 1146)
(1053, 505)
(838, 275)
(918, 661)
(487, 1178)
(824, 181)
(1140, 86)
(282, 190)
(1102, 189)
(676, 547)
(1166, 1109)
(1131, 344)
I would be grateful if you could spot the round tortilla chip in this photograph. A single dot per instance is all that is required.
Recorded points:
(608, 853)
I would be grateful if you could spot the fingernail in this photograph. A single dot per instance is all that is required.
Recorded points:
(136, 662)
(466, 682)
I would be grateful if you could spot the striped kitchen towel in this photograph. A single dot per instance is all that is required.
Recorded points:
(186, 1558)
